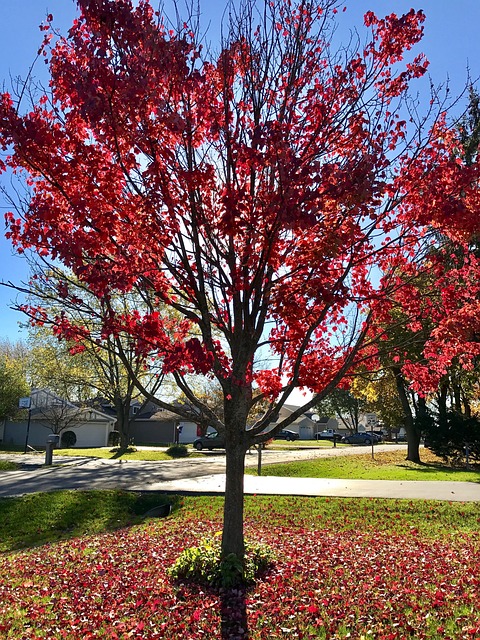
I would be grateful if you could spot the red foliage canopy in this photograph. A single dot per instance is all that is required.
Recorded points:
(253, 191)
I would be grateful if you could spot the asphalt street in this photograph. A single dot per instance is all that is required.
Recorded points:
(85, 473)
(206, 474)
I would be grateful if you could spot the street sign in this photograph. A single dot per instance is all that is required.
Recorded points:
(371, 419)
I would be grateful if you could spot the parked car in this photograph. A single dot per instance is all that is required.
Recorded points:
(360, 438)
(285, 434)
(213, 440)
(329, 434)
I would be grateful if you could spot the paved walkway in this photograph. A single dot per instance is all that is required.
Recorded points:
(206, 475)
(331, 487)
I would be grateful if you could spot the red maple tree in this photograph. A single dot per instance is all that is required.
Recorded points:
(253, 191)
(431, 322)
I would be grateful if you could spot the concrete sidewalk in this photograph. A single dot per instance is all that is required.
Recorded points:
(329, 487)
(208, 476)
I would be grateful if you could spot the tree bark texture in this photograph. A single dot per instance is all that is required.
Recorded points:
(413, 437)
(123, 421)
(232, 539)
(236, 411)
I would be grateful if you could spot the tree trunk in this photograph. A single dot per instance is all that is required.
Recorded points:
(442, 405)
(413, 437)
(235, 411)
(232, 539)
(124, 438)
(413, 447)
(123, 421)
(467, 409)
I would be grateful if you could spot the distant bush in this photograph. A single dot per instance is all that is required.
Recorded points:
(177, 451)
(449, 438)
(68, 440)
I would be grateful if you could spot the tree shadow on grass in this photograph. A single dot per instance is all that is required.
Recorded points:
(233, 607)
(36, 519)
(232, 601)
(118, 452)
(426, 468)
(233, 611)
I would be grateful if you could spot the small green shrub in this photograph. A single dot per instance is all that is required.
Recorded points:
(177, 451)
(68, 440)
(203, 565)
(6, 465)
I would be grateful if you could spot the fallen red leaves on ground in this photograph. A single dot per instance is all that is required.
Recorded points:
(324, 585)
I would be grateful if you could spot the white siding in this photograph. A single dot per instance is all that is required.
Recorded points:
(93, 434)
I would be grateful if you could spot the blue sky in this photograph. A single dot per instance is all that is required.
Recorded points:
(451, 42)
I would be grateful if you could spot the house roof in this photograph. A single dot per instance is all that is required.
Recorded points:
(43, 400)
(309, 413)
(157, 414)
(46, 398)
(96, 415)
(287, 410)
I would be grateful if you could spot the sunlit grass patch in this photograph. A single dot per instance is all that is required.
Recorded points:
(6, 465)
(389, 465)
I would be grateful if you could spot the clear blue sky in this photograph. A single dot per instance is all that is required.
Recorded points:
(451, 42)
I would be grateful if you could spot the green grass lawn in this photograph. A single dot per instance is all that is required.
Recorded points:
(303, 444)
(344, 568)
(45, 517)
(103, 452)
(41, 518)
(151, 454)
(91, 564)
(390, 465)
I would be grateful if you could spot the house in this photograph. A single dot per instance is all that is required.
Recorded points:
(153, 425)
(48, 413)
(306, 425)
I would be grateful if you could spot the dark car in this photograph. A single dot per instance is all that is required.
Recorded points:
(285, 434)
(360, 438)
(213, 440)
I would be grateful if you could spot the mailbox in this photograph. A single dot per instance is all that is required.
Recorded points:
(53, 439)
(52, 442)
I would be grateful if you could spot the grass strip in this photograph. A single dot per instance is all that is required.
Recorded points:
(390, 465)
